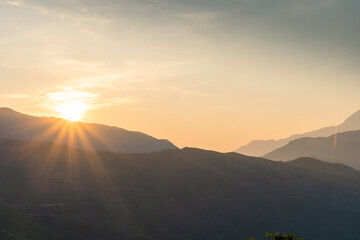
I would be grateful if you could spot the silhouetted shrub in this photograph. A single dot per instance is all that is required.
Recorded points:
(279, 236)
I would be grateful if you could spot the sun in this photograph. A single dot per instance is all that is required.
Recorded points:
(72, 110)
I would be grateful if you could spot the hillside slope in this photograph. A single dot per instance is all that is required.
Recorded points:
(17, 126)
(262, 147)
(345, 149)
(179, 194)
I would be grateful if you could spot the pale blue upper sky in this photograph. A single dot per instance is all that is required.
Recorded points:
(203, 73)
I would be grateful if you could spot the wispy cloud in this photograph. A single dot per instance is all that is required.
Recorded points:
(14, 3)
(46, 100)
(102, 85)
(14, 96)
(306, 8)
(184, 93)
(200, 16)
(74, 17)
(70, 17)
(71, 94)
(93, 100)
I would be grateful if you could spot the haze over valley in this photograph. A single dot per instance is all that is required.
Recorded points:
(262, 147)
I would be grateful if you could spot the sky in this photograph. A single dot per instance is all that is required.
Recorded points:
(212, 74)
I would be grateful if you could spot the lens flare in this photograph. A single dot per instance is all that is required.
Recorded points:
(72, 110)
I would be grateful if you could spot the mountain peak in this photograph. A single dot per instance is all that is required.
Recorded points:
(263, 147)
(5, 109)
(10, 113)
(346, 150)
(354, 119)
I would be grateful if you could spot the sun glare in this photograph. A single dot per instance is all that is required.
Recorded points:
(72, 110)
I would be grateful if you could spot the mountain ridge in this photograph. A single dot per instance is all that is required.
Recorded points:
(90, 136)
(177, 194)
(262, 147)
(341, 148)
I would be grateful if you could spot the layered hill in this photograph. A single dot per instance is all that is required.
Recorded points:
(17, 126)
(342, 148)
(177, 194)
(262, 147)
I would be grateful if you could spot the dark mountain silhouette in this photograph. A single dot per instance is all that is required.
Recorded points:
(261, 147)
(17, 126)
(345, 149)
(176, 194)
(25, 225)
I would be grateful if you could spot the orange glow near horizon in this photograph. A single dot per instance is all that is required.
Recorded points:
(197, 74)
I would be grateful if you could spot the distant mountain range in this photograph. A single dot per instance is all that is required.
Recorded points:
(262, 147)
(343, 148)
(172, 194)
(17, 126)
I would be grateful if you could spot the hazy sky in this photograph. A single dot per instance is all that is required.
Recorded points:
(213, 74)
